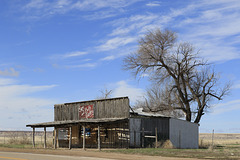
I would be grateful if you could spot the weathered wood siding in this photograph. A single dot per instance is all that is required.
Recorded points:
(107, 108)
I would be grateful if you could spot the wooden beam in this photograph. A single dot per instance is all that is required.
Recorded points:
(33, 137)
(99, 139)
(45, 138)
(70, 137)
(84, 132)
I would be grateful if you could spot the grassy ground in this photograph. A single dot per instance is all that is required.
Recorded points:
(226, 146)
(219, 152)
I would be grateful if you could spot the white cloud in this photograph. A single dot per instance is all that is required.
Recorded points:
(153, 4)
(108, 58)
(74, 54)
(86, 65)
(123, 89)
(9, 72)
(36, 4)
(37, 9)
(69, 55)
(226, 107)
(236, 86)
(115, 43)
(5, 81)
(19, 105)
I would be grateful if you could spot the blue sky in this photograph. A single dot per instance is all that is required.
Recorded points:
(67, 50)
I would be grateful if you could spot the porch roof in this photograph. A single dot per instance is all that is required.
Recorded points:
(74, 122)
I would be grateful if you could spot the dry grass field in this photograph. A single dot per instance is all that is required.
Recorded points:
(225, 146)
(205, 139)
(24, 138)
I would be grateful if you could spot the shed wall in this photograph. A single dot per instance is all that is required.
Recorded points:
(147, 125)
(183, 134)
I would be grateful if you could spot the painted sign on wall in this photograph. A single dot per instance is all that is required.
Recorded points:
(86, 112)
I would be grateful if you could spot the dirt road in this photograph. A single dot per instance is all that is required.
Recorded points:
(74, 154)
(31, 156)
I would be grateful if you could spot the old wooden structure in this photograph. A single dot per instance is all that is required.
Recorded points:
(110, 123)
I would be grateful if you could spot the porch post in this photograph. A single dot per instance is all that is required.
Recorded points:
(99, 138)
(33, 137)
(70, 137)
(45, 138)
(84, 132)
(55, 137)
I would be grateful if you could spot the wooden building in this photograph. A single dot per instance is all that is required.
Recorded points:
(111, 123)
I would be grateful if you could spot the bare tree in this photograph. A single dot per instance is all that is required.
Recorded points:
(185, 80)
(156, 100)
(105, 93)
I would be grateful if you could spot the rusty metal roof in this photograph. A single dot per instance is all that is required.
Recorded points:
(74, 122)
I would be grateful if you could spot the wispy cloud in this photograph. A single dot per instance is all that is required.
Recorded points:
(74, 54)
(37, 9)
(85, 65)
(226, 107)
(9, 72)
(115, 42)
(108, 58)
(68, 55)
(18, 103)
(153, 4)
(124, 89)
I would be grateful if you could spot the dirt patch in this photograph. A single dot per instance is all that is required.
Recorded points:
(89, 153)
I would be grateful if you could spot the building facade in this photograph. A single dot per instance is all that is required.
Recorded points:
(111, 123)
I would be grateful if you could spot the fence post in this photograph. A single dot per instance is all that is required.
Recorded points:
(156, 140)
(212, 139)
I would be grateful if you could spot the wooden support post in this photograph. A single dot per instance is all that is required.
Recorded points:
(121, 136)
(143, 135)
(78, 134)
(156, 140)
(84, 132)
(45, 138)
(33, 137)
(55, 137)
(70, 137)
(99, 139)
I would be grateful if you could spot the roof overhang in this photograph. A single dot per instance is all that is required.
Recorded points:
(74, 122)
